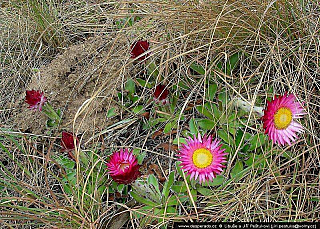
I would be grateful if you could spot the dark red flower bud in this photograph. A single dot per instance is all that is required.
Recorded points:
(123, 167)
(161, 93)
(67, 143)
(35, 99)
(138, 48)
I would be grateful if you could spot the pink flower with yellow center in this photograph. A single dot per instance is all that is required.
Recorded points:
(279, 120)
(123, 167)
(202, 158)
(35, 99)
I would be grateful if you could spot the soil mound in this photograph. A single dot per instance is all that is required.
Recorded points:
(85, 76)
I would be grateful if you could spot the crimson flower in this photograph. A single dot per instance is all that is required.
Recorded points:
(138, 48)
(67, 143)
(161, 93)
(123, 167)
(35, 99)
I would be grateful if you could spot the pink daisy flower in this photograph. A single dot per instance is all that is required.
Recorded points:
(123, 167)
(35, 99)
(161, 93)
(279, 119)
(202, 158)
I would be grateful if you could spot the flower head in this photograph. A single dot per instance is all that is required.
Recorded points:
(67, 143)
(35, 99)
(279, 119)
(123, 167)
(161, 93)
(202, 158)
(138, 48)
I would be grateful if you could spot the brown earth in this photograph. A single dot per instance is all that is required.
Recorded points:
(93, 69)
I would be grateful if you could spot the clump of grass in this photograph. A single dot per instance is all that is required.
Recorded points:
(247, 49)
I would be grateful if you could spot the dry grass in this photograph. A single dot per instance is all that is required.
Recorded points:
(279, 45)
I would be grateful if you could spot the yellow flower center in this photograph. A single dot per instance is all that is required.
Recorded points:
(124, 166)
(282, 118)
(202, 158)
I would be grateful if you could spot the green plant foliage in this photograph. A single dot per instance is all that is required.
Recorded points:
(158, 203)
(237, 169)
(144, 83)
(211, 93)
(193, 126)
(111, 112)
(206, 124)
(197, 68)
(130, 86)
(232, 63)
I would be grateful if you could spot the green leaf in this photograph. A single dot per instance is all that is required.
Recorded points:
(111, 112)
(169, 126)
(153, 69)
(218, 180)
(231, 118)
(257, 141)
(238, 137)
(133, 98)
(120, 187)
(181, 140)
(197, 68)
(219, 65)
(167, 185)
(206, 124)
(154, 182)
(154, 122)
(178, 167)
(172, 201)
(192, 126)
(194, 195)
(144, 83)
(183, 86)
(224, 136)
(130, 86)
(180, 187)
(232, 63)
(138, 109)
(119, 96)
(249, 161)
(223, 97)
(65, 162)
(212, 91)
(142, 199)
(227, 148)
(171, 210)
(51, 123)
(216, 112)
(140, 155)
(173, 105)
(204, 191)
(204, 111)
(245, 148)
(288, 155)
(236, 169)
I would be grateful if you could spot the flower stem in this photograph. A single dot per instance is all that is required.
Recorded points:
(53, 116)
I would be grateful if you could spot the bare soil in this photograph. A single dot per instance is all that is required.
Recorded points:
(73, 78)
